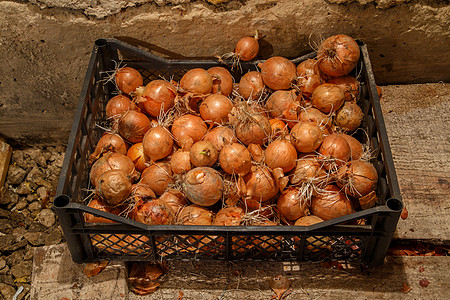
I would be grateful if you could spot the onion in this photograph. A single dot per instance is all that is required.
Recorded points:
(229, 216)
(175, 199)
(203, 186)
(180, 162)
(349, 116)
(114, 187)
(358, 178)
(235, 159)
(291, 115)
(308, 67)
(251, 85)
(117, 106)
(312, 114)
(314, 242)
(308, 170)
(253, 129)
(328, 97)
(98, 204)
(142, 191)
(350, 86)
(113, 161)
(137, 156)
(309, 83)
(195, 215)
(215, 109)
(197, 81)
(261, 184)
(256, 152)
(291, 205)
(281, 154)
(109, 142)
(306, 137)
(203, 154)
(158, 177)
(133, 125)
(338, 55)
(247, 48)
(157, 143)
(356, 148)
(279, 101)
(331, 203)
(255, 210)
(220, 136)
(188, 129)
(155, 212)
(335, 150)
(128, 79)
(308, 220)
(278, 128)
(278, 73)
(222, 81)
(159, 97)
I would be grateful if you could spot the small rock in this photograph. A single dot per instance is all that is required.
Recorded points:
(2, 263)
(32, 197)
(7, 291)
(18, 233)
(34, 206)
(36, 226)
(8, 198)
(27, 214)
(7, 279)
(43, 193)
(5, 226)
(25, 292)
(35, 238)
(29, 253)
(54, 237)
(34, 174)
(16, 257)
(17, 158)
(24, 188)
(4, 270)
(15, 175)
(23, 203)
(40, 181)
(40, 160)
(46, 217)
(46, 154)
(22, 269)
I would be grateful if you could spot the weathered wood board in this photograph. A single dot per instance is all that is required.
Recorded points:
(417, 121)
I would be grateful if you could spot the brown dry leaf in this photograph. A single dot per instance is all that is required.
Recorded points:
(180, 295)
(404, 213)
(421, 269)
(148, 288)
(279, 285)
(424, 282)
(405, 289)
(142, 277)
(93, 269)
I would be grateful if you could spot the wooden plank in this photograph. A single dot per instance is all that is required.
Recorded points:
(417, 120)
(5, 157)
(216, 280)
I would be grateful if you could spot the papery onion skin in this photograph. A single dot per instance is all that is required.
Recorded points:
(195, 215)
(197, 81)
(158, 177)
(331, 203)
(117, 106)
(291, 205)
(356, 148)
(220, 136)
(308, 84)
(137, 156)
(258, 208)
(188, 129)
(247, 48)
(349, 116)
(261, 184)
(278, 73)
(306, 136)
(308, 67)
(229, 216)
(128, 79)
(279, 101)
(159, 97)
(328, 97)
(254, 130)
(203, 154)
(109, 142)
(180, 162)
(278, 128)
(113, 161)
(358, 179)
(175, 199)
(155, 212)
(256, 152)
(308, 220)
(222, 81)
(133, 125)
(350, 86)
(309, 170)
(235, 159)
(336, 148)
(251, 85)
(157, 143)
(215, 109)
(114, 187)
(203, 186)
(97, 203)
(338, 55)
(281, 154)
(314, 115)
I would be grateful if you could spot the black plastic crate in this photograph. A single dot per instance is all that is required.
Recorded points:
(337, 239)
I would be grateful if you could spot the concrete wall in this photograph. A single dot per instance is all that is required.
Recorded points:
(45, 45)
